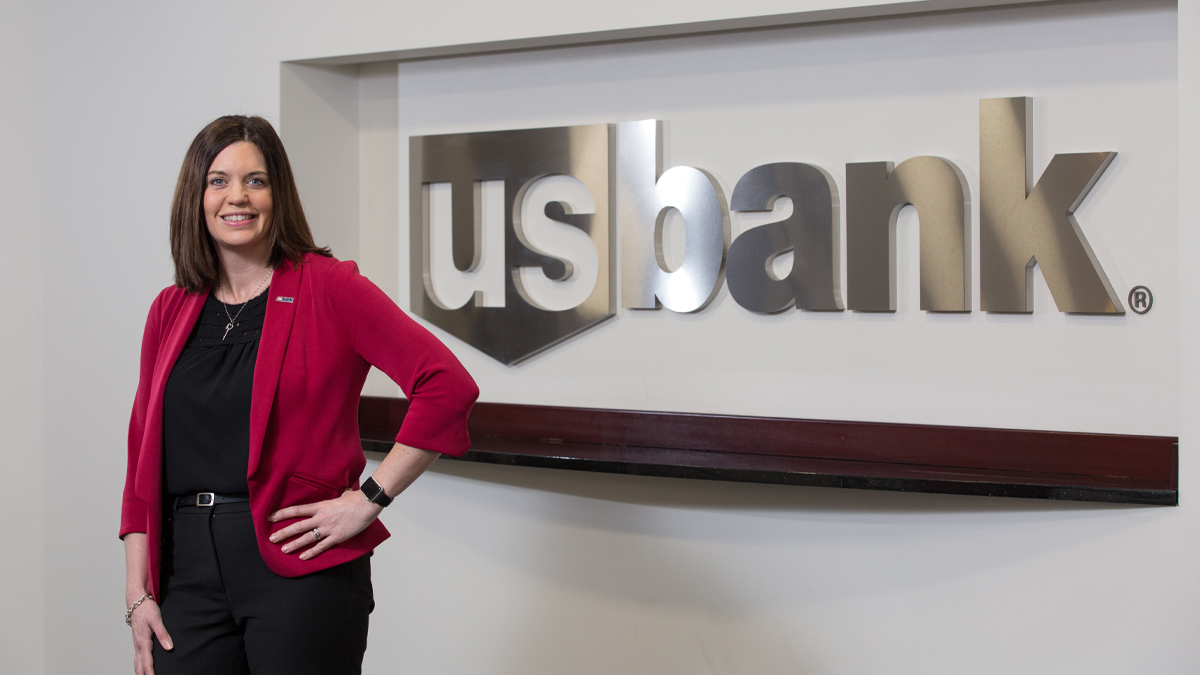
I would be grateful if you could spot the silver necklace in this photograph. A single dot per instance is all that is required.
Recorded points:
(233, 319)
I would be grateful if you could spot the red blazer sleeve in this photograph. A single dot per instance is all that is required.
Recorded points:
(134, 514)
(439, 390)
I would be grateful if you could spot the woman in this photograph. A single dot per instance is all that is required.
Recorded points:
(247, 538)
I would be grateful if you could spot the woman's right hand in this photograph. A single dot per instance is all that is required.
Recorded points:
(147, 622)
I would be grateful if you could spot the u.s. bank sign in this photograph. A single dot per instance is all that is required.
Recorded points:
(622, 193)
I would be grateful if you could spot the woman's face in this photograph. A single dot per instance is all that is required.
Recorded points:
(237, 199)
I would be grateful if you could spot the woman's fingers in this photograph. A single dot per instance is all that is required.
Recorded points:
(160, 632)
(308, 538)
(147, 624)
(336, 519)
(143, 650)
(293, 530)
(326, 542)
(297, 511)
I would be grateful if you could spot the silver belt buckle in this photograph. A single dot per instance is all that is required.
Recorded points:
(212, 498)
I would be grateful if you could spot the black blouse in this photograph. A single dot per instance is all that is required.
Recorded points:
(206, 405)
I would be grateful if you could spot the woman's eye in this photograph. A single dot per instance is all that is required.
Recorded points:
(216, 182)
(258, 182)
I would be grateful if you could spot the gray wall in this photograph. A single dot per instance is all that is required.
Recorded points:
(22, 576)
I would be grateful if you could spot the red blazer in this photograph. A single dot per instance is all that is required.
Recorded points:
(325, 326)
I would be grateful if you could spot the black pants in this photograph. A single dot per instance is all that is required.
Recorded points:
(228, 613)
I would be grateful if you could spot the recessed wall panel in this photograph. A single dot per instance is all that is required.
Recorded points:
(1100, 79)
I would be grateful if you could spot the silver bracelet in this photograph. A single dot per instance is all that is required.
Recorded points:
(129, 612)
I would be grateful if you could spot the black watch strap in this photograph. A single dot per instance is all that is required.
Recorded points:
(374, 493)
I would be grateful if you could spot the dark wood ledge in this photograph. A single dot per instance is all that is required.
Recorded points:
(864, 455)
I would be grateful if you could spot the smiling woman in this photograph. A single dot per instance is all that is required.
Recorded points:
(247, 536)
(237, 200)
(235, 167)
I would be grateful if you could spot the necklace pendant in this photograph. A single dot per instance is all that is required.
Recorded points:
(228, 327)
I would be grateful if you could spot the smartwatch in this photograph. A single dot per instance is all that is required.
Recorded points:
(374, 493)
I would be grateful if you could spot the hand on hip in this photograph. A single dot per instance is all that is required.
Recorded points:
(324, 524)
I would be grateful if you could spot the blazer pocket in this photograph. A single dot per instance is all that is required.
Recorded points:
(302, 489)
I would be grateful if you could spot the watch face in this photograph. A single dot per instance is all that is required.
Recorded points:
(374, 492)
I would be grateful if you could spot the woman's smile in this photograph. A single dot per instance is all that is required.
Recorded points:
(238, 219)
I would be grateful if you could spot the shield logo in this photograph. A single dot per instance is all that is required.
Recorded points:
(518, 324)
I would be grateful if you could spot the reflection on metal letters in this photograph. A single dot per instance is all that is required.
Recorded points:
(811, 232)
(644, 198)
(1020, 227)
(519, 158)
(875, 194)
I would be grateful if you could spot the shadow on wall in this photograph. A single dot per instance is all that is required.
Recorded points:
(617, 573)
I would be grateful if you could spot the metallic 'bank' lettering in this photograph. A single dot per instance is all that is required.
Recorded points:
(875, 194)
(644, 195)
(814, 282)
(1020, 227)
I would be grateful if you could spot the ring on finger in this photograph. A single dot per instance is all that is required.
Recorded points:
(316, 532)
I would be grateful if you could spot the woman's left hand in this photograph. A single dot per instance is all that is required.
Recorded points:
(336, 519)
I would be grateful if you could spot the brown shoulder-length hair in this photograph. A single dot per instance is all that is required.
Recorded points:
(192, 247)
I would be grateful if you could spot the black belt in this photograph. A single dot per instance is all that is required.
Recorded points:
(208, 499)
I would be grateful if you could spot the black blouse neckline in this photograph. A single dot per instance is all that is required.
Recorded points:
(210, 327)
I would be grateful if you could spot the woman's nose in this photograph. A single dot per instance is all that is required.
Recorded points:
(237, 194)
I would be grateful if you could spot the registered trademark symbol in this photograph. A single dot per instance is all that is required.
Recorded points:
(1140, 299)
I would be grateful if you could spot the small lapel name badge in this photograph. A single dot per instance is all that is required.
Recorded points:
(284, 298)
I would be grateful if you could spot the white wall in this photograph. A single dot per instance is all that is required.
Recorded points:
(1189, 277)
(21, 407)
(500, 570)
